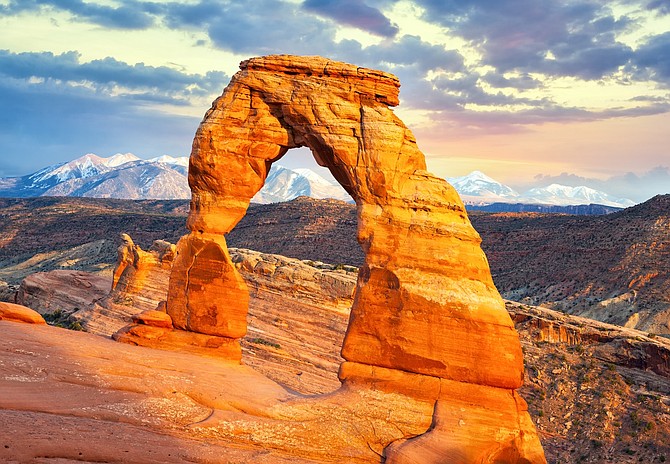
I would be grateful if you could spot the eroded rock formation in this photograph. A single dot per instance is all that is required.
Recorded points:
(427, 321)
(139, 281)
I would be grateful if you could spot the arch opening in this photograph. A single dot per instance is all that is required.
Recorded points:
(299, 299)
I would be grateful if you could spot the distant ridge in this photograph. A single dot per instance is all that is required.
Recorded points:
(578, 210)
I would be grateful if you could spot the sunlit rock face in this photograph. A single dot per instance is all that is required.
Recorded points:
(427, 320)
(19, 313)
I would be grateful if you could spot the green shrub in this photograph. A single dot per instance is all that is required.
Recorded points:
(262, 341)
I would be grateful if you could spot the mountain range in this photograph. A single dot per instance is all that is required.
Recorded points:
(478, 189)
(126, 176)
(122, 176)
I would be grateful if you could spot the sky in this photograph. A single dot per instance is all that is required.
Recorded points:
(528, 91)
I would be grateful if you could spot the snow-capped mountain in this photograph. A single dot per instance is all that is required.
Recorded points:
(478, 183)
(477, 189)
(89, 165)
(179, 161)
(165, 177)
(119, 176)
(562, 195)
(283, 184)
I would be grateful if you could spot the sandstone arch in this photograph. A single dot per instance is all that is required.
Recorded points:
(427, 320)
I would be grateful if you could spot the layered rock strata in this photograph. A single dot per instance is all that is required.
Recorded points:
(289, 298)
(62, 291)
(425, 308)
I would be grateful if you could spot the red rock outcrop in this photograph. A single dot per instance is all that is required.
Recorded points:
(62, 291)
(141, 274)
(18, 313)
(425, 309)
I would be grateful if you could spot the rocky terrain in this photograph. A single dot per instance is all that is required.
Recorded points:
(432, 365)
(609, 382)
(611, 268)
(598, 393)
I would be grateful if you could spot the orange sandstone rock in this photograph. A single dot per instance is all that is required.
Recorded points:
(425, 303)
(153, 336)
(153, 318)
(19, 313)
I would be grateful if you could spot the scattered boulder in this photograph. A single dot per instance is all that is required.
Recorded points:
(153, 318)
(18, 313)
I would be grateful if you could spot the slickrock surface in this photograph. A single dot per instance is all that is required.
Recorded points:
(79, 397)
(593, 390)
(298, 315)
(425, 308)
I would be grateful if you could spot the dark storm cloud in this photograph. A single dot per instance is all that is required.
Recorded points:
(129, 15)
(353, 13)
(164, 82)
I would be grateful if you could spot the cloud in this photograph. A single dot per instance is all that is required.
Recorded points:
(266, 27)
(637, 187)
(653, 58)
(109, 74)
(129, 15)
(538, 36)
(661, 7)
(353, 13)
(523, 82)
(521, 48)
(57, 107)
